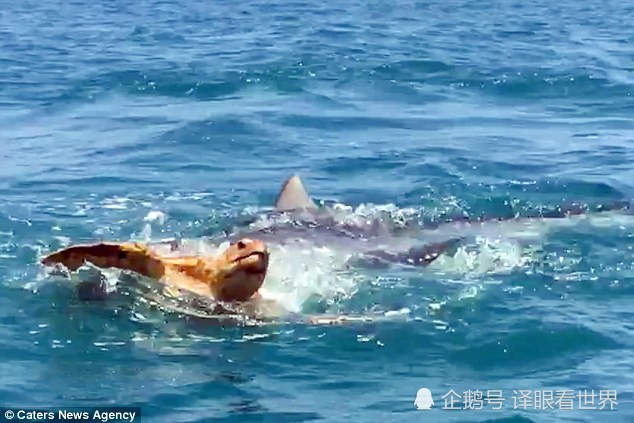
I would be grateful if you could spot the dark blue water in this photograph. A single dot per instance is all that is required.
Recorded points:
(199, 110)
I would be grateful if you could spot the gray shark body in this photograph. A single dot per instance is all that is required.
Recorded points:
(375, 242)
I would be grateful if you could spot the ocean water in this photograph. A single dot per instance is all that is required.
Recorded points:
(161, 118)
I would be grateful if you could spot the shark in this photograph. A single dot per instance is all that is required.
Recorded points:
(297, 220)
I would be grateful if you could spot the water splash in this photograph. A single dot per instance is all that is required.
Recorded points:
(154, 216)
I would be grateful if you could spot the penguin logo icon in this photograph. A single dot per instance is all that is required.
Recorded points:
(423, 401)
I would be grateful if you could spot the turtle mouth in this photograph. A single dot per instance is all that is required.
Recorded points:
(254, 263)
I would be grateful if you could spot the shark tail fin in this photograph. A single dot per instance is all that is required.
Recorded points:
(126, 256)
(293, 196)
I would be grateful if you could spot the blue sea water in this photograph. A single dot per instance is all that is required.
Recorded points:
(116, 111)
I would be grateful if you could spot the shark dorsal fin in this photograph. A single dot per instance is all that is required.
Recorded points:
(293, 196)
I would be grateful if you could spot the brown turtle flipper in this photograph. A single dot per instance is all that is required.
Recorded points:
(125, 256)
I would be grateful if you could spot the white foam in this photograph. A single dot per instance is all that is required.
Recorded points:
(300, 270)
(485, 256)
(153, 216)
(116, 203)
(156, 216)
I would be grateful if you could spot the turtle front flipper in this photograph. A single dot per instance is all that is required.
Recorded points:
(125, 256)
